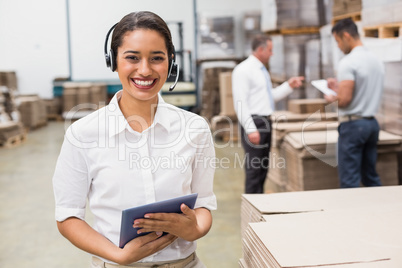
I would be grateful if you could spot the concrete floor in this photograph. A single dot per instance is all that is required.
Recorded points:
(28, 233)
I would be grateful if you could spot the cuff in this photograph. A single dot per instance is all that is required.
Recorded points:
(208, 202)
(64, 213)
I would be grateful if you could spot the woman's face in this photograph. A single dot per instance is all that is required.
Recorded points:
(142, 64)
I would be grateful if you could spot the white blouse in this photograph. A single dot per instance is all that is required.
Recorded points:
(104, 161)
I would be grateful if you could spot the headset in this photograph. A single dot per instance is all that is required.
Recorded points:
(110, 58)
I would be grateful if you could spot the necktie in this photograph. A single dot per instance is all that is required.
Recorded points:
(269, 87)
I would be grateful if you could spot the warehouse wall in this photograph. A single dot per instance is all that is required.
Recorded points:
(34, 43)
(34, 35)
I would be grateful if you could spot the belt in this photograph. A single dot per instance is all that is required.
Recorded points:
(261, 116)
(175, 264)
(347, 118)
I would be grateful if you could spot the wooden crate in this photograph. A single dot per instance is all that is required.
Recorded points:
(389, 30)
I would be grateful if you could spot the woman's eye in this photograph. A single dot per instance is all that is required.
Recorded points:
(158, 59)
(132, 58)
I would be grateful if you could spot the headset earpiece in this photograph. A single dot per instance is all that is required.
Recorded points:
(110, 57)
(113, 64)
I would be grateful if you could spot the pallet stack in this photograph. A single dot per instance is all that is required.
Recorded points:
(342, 9)
(80, 98)
(225, 126)
(33, 111)
(296, 45)
(211, 96)
(12, 132)
(251, 27)
(382, 19)
(391, 106)
(305, 115)
(312, 164)
(382, 26)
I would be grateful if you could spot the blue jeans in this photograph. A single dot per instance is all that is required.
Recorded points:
(357, 153)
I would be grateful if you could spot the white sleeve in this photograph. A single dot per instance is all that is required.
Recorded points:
(70, 180)
(282, 91)
(203, 172)
(240, 91)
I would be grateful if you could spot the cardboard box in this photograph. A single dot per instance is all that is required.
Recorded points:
(311, 159)
(342, 7)
(9, 79)
(226, 96)
(211, 105)
(307, 106)
(32, 110)
(293, 229)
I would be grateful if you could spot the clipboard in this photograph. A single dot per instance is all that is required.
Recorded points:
(322, 86)
(128, 232)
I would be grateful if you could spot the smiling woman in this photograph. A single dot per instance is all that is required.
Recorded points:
(95, 163)
(142, 65)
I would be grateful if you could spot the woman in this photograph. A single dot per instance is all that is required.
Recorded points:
(135, 151)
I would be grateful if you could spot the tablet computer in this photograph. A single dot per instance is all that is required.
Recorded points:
(128, 232)
(322, 85)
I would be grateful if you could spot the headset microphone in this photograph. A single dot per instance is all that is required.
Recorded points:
(175, 66)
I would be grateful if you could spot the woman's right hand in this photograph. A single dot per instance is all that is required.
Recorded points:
(144, 246)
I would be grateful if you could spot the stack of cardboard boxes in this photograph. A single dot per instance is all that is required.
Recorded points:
(225, 125)
(33, 111)
(342, 7)
(12, 132)
(305, 115)
(83, 96)
(303, 151)
(328, 228)
(211, 96)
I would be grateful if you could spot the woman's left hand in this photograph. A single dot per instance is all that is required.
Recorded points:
(185, 226)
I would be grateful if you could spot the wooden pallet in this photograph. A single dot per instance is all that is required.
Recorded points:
(355, 16)
(294, 31)
(13, 141)
(389, 30)
(54, 117)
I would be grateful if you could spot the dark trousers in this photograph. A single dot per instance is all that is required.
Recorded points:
(357, 153)
(257, 156)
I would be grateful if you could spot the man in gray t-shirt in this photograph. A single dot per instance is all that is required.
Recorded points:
(359, 87)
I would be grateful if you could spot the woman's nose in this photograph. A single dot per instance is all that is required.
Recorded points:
(144, 68)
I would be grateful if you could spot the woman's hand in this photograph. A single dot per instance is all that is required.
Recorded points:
(86, 238)
(144, 246)
(190, 225)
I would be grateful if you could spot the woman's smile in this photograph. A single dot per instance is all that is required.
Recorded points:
(144, 83)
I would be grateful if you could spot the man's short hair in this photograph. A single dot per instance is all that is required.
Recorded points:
(260, 40)
(346, 25)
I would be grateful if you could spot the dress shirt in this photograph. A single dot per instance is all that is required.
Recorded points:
(250, 95)
(105, 161)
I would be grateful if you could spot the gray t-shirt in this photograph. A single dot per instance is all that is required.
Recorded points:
(361, 66)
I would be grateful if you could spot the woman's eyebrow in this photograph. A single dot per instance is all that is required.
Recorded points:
(137, 52)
